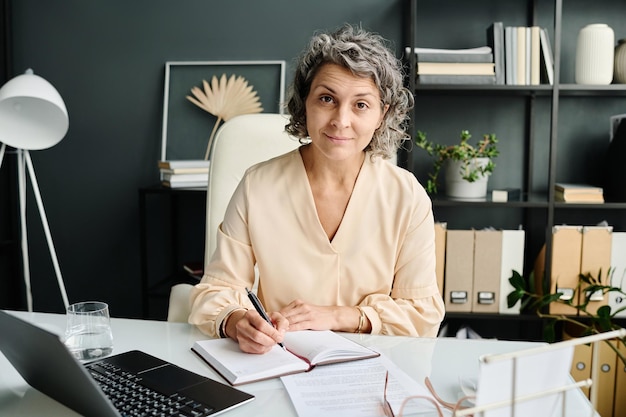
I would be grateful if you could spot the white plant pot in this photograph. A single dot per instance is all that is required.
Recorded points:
(457, 187)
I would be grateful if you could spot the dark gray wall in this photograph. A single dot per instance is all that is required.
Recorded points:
(106, 59)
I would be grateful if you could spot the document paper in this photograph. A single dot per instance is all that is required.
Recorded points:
(355, 389)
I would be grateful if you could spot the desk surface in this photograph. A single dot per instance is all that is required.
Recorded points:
(443, 359)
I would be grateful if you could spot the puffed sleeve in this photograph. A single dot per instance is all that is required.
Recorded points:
(231, 269)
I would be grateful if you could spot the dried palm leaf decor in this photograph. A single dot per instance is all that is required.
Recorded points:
(225, 99)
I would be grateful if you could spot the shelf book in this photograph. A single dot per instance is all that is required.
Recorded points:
(305, 349)
(520, 55)
(481, 54)
(546, 56)
(484, 51)
(456, 68)
(525, 50)
(177, 171)
(577, 193)
(185, 180)
(510, 43)
(184, 173)
(203, 177)
(495, 38)
(184, 164)
(533, 54)
(438, 79)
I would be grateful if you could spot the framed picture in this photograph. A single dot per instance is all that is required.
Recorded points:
(187, 127)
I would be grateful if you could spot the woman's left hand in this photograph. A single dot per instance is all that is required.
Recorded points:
(304, 316)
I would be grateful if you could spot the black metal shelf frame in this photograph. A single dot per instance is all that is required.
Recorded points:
(531, 199)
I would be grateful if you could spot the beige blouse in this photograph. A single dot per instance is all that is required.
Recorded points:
(382, 257)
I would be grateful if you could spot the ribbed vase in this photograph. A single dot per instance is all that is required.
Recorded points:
(619, 70)
(595, 54)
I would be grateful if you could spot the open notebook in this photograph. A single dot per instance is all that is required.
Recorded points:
(304, 350)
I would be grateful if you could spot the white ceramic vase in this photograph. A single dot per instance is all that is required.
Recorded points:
(459, 188)
(595, 54)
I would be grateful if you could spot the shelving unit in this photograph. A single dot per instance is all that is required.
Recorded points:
(548, 133)
(166, 234)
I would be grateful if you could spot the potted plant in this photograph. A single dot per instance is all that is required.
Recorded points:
(536, 300)
(467, 166)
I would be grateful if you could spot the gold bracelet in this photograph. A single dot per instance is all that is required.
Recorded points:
(361, 320)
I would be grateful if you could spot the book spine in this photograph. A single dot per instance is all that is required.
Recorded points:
(546, 53)
(442, 57)
(456, 79)
(455, 68)
(495, 36)
(521, 56)
(527, 58)
(508, 55)
(534, 55)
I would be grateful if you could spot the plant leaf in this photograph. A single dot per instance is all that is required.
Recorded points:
(549, 333)
(226, 97)
(513, 298)
(517, 281)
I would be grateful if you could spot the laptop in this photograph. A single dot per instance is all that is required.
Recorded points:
(47, 365)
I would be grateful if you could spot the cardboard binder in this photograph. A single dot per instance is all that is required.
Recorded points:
(618, 272)
(581, 365)
(487, 268)
(581, 362)
(619, 403)
(440, 253)
(459, 270)
(604, 379)
(512, 260)
(565, 267)
(596, 259)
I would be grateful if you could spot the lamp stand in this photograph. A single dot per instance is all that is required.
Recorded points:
(24, 162)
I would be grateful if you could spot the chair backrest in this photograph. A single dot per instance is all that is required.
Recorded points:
(179, 304)
(240, 143)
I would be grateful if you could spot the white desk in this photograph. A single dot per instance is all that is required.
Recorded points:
(444, 360)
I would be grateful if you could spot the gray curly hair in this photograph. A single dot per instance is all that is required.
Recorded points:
(366, 54)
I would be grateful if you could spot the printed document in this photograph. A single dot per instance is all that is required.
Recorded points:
(355, 389)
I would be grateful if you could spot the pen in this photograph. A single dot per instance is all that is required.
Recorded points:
(259, 308)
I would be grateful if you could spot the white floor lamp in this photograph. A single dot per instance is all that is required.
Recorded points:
(32, 117)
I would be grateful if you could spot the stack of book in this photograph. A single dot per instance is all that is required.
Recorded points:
(455, 66)
(578, 193)
(184, 173)
(513, 55)
(528, 56)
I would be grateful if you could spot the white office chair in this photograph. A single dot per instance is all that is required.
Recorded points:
(240, 143)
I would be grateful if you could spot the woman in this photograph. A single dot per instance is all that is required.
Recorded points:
(343, 239)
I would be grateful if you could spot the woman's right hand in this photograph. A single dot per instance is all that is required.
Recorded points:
(253, 333)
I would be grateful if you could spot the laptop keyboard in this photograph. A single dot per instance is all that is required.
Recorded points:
(131, 398)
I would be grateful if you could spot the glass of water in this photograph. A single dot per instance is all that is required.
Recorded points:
(88, 333)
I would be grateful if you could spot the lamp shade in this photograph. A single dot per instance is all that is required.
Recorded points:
(32, 113)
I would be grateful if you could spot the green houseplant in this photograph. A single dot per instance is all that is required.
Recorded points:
(465, 153)
(536, 300)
